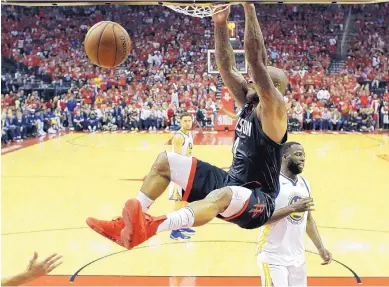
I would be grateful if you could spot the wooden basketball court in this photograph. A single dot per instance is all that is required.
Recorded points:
(50, 188)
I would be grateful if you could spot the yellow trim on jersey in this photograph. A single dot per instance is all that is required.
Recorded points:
(263, 238)
(266, 273)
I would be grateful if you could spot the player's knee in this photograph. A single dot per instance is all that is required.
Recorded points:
(161, 165)
(220, 198)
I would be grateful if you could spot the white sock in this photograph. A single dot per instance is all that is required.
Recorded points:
(144, 200)
(181, 218)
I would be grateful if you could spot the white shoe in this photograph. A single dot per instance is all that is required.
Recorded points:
(150, 129)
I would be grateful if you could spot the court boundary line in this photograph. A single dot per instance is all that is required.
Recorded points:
(5, 149)
(138, 280)
(73, 277)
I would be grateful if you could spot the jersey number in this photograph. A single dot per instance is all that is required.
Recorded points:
(189, 149)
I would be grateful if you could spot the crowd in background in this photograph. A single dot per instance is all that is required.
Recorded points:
(166, 72)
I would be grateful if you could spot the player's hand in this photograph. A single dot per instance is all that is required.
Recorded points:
(36, 269)
(302, 205)
(325, 255)
(222, 16)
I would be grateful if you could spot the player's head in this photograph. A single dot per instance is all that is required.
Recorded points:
(280, 81)
(186, 121)
(293, 157)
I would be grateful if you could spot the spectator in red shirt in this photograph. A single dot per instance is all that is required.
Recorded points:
(317, 119)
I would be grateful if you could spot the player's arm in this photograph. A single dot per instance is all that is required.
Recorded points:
(271, 111)
(313, 234)
(302, 205)
(225, 59)
(178, 141)
(34, 270)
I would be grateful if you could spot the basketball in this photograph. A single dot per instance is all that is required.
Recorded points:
(107, 44)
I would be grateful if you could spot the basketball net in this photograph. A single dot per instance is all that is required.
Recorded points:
(198, 11)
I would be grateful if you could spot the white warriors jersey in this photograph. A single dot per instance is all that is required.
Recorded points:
(187, 146)
(282, 242)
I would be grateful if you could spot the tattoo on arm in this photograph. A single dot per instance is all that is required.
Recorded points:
(225, 60)
(257, 59)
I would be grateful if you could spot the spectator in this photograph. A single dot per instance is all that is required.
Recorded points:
(323, 95)
(4, 130)
(335, 120)
(385, 113)
(108, 122)
(118, 113)
(9, 126)
(92, 122)
(317, 119)
(21, 127)
(308, 119)
(79, 121)
(326, 119)
(71, 105)
(145, 114)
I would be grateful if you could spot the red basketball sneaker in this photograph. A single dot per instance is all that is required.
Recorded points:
(139, 226)
(109, 229)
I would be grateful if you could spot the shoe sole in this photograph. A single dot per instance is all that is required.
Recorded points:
(131, 213)
(92, 226)
(180, 239)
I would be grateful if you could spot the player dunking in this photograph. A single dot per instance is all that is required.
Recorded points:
(281, 249)
(212, 192)
(182, 144)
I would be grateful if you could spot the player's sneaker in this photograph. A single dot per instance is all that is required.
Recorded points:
(178, 235)
(139, 226)
(189, 231)
(109, 229)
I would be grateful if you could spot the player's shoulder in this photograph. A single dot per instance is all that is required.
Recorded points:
(179, 137)
(304, 182)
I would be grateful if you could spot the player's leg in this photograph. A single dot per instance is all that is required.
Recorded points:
(226, 202)
(298, 275)
(196, 177)
(167, 167)
(273, 275)
(139, 226)
(257, 209)
(175, 194)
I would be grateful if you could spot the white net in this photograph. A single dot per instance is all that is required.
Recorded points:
(198, 11)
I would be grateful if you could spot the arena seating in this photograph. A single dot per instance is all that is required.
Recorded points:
(45, 67)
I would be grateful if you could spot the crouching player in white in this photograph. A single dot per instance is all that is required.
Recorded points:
(281, 242)
(182, 144)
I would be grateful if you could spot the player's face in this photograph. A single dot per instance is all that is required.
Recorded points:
(186, 123)
(296, 159)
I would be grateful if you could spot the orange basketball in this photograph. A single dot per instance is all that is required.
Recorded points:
(107, 44)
